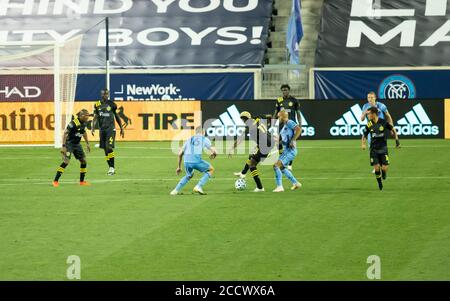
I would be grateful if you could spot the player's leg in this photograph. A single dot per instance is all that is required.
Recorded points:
(103, 144)
(244, 171)
(255, 159)
(61, 168)
(110, 143)
(189, 174)
(384, 166)
(278, 175)
(81, 156)
(207, 169)
(377, 168)
(290, 155)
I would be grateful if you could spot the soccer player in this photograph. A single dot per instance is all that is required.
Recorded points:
(378, 130)
(105, 111)
(291, 105)
(383, 112)
(264, 143)
(71, 145)
(288, 138)
(192, 151)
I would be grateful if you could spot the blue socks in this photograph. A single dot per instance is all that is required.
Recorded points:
(204, 179)
(182, 183)
(278, 176)
(289, 175)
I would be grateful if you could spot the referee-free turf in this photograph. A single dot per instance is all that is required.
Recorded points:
(128, 227)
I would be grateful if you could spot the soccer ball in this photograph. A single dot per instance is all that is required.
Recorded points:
(240, 184)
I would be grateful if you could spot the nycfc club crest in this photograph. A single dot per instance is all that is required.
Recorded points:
(397, 87)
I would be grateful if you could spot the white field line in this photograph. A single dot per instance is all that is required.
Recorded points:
(22, 182)
(300, 147)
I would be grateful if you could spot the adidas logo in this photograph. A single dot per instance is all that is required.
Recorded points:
(229, 123)
(307, 130)
(416, 122)
(349, 124)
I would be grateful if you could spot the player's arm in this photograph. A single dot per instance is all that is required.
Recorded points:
(64, 141)
(238, 141)
(88, 146)
(297, 133)
(389, 117)
(394, 134)
(119, 122)
(364, 114)
(299, 116)
(180, 159)
(364, 138)
(277, 108)
(213, 152)
(94, 121)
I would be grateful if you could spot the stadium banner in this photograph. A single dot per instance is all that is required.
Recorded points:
(161, 86)
(334, 119)
(27, 122)
(147, 33)
(380, 33)
(26, 87)
(447, 119)
(388, 84)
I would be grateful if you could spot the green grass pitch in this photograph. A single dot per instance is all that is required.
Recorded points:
(128, 227)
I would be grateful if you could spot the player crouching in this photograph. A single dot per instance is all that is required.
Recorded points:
(192, 151)
(71, 145)
(288, 138)
(378, 129)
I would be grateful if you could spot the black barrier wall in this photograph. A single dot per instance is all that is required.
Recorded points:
(331, 119)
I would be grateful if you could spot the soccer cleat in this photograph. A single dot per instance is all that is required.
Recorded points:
(289, 167)
(279, 189)
(55, 184)
(111, 171)
(199, 190)
(240, 175)
(296, 186)
(259, 190)
(174, 192)
(84, 183)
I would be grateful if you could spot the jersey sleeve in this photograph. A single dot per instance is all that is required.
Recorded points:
(278, 104)
(206, 143)
(383, 108)
(71, 127)
(296, 104)
(96, 109)
(291, 124)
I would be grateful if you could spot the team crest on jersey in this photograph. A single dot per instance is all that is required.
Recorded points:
(108, 108)
(381, 128)
(290, 103)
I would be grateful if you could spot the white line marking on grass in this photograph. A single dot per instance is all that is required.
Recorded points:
(101, 181)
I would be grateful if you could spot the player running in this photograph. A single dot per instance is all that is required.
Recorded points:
(378, 130)
(105, 111)
(71, 145)
(192, 151)
(288, 138)
(291, 105)
(264, 143)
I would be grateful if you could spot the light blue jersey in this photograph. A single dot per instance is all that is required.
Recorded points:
(287, 132)
(382, 109)
(193, 148)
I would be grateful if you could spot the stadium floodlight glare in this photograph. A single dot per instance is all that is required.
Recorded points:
(40, 59)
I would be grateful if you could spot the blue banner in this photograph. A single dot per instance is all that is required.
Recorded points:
(294, 32)
(186, 86)
(388, 84)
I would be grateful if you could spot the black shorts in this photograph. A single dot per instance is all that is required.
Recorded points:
(379, 158)
(107, 138)
(257, 156)
(76, 150)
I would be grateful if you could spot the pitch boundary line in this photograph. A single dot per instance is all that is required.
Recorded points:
(48, 181)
